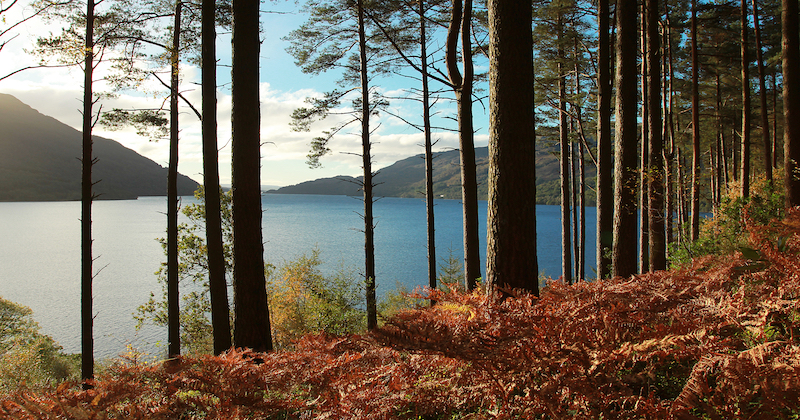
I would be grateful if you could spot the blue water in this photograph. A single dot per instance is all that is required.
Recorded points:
(40, 253)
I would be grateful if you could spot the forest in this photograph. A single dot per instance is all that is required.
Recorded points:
(681, 107)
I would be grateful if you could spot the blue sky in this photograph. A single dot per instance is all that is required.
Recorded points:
(57, 93)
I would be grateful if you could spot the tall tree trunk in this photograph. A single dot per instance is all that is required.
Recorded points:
(251, 323)
(511, 250)
(564, 152)
(173, 299)
(762, 85)
(578, 192)
(460, 22)
(657, 241)
(87, 161)
(218, 289)
(790, 43)
(625, 164)
(745, 170)
(644, 184)
(669, 132)
(775, 119)
(720, 130)
(604, 185)
(695, 221)
(581, 260)
(366, 157)
(426, 121)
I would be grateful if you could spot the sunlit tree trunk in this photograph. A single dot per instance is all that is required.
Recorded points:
(762, 85)
(511, 251)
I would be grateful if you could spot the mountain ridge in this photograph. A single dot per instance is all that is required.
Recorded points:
(39, 161)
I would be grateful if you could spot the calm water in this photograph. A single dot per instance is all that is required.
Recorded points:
(40, 253)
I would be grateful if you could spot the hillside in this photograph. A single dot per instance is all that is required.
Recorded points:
(406, 178)
(39, 161)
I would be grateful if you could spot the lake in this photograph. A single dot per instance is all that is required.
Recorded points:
(40, 253)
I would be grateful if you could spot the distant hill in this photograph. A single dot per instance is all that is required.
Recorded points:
(39, 161)
(406, 178)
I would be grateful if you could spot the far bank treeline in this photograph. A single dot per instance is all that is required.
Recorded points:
(670, 102)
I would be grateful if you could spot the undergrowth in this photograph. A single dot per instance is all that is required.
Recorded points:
(716, 339)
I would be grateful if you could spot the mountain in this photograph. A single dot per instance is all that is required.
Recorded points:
(39, 161)
(406, 178)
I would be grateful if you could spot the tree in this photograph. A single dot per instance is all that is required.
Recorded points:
(762, 92)
(791, 100)
(745, 167)
(251, 322)
(695, 200)
(655, 172)
(605, 186)
(461, 23)
(564, 151)
(625, 165)
(218, 289)
(511, 254)
(174, 324)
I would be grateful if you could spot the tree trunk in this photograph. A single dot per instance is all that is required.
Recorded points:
(604, 185)
(87, 161)
(173, 299)
(251, 324)
(669, 130)
(426, 121)
(762, 85)
(218, 289)
(657, 242)
(695, 221)
(366, 156)
(511, 250)
(625, 164)
(745, 167)
(564, 153)
(644, 184)
(790, 55)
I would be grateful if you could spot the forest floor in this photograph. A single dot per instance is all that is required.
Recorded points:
(717, 339)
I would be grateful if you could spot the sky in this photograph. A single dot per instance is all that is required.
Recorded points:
(283, 88)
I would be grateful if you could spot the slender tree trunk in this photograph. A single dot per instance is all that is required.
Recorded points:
(775, 119)
(218, 289)
(644, 184)
(745, 171)
(87, 161)
(669, 132)
(605, 186)
(251, 324)
(564, 152)
(695, 222)
(173, 299)
(578, 193)
(426, 121)
(762, 85)
(369, 226)
(460, 22)
(625, 165)
(790, 55)
(720, 129)
(581, 262)
(511, 250)
(656, 236)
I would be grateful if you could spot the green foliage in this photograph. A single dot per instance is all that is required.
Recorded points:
(29, 359)
(725, 231)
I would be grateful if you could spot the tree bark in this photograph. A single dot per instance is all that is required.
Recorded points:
(511, 251)
(460, 22)
(564, 153)
(605, 186)
(87, 196)
(218, 289)
(644, 184)
(173, 299)
(745, 166)
(366, 156)
(656, 236)
(625, 164)
(251, 324)
(426, 121)
(695, 200)
(790, 55)
(762, 85)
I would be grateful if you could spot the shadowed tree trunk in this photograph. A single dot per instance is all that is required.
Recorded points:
(695, 200)
(426, 121)
(625, 164)
(564, 153)
(173, 300)
(745, 166)
(218, 289)
(87, 161)
(790, 55)
(657, 242)
(511, 250)
(605, 195)
(251, 323)
(644, 184)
